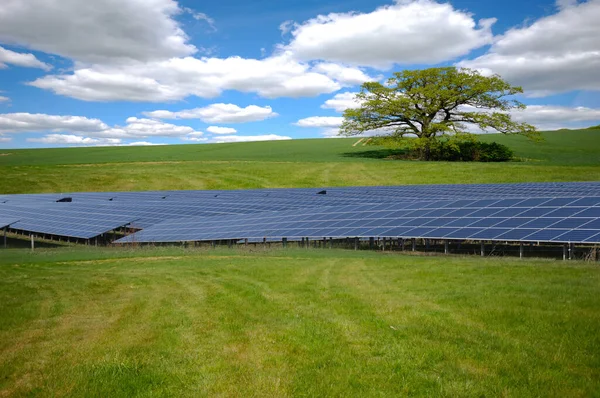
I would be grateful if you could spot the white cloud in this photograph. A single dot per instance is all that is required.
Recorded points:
(320, 121)
(96, 31)
(221, 130)
(219, 113)
(144, 143)
(5, 139)
(343, 74)
(195, 136)
(407, 32)
(177, 78)
(286, 27)
(4, 99)
(200, 16)
(342, 101)
(91, 128)
(69, 139)
(558, 53)
(562, 4)
(551, 117)
(248, 138)
(37, 122)
(142, 128)
(20, 59)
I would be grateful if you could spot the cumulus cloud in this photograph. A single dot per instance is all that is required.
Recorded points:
(177, 78)
(69, 139)
(4, 99)
(342, 101)
(248, 138)
(5, 139)
(96, 31)
(142, 128)
(195, 137)
(320, 121)
(407, 32)
(221, 130)
(39, 122)
(143, 143)
(83, 127)
(558, 53)
(20, 59)
(343, 74)
(219, 113)
(551, 117)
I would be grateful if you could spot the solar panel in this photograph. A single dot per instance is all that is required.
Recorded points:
(520, 212)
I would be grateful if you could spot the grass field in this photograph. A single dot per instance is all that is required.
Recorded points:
(296, 322)
(563, 156)
(175, 322)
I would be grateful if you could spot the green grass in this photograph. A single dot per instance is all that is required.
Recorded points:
(563, 156)
(177, 322)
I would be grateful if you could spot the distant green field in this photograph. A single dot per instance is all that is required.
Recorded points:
(563, 156)
(568, 147)
(319, 322)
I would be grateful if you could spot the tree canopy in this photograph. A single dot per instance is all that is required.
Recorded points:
(429, 104)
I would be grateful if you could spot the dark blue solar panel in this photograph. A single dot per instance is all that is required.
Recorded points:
(197, 215)
(439, 232)
(570, 223)
(576, 235)
(489, 233)
(559, 202)
(515, 234)
(536, 212)
(514, 222)
(487, 222)
(463, 233)
(590, 212)
(484, 212)
(398, 231)
(545, 235)
(593, 239)
(540, 223)
(594, 201)
(564, 212)
(510, 212)
(594, 224)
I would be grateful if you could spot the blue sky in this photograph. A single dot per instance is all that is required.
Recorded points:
(122, 72)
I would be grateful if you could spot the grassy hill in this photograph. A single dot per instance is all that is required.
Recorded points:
(572, 155)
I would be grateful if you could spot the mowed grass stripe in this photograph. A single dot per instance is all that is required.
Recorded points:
(278, 323)
(197, 175)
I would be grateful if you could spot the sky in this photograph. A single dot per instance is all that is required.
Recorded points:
(145, 72)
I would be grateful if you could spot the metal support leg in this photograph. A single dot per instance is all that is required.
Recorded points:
(5, 237)
(355, 243)
(521, 250)
(414, 244)
(284, 242)
(571, 248)
(482, 249)
(383, 245)
(32, 244)
(446, 248)
(331, 243)
(371, 243)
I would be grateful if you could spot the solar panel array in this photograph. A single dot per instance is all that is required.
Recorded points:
(532, 212)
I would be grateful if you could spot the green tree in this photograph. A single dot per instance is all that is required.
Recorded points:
(416, 108)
